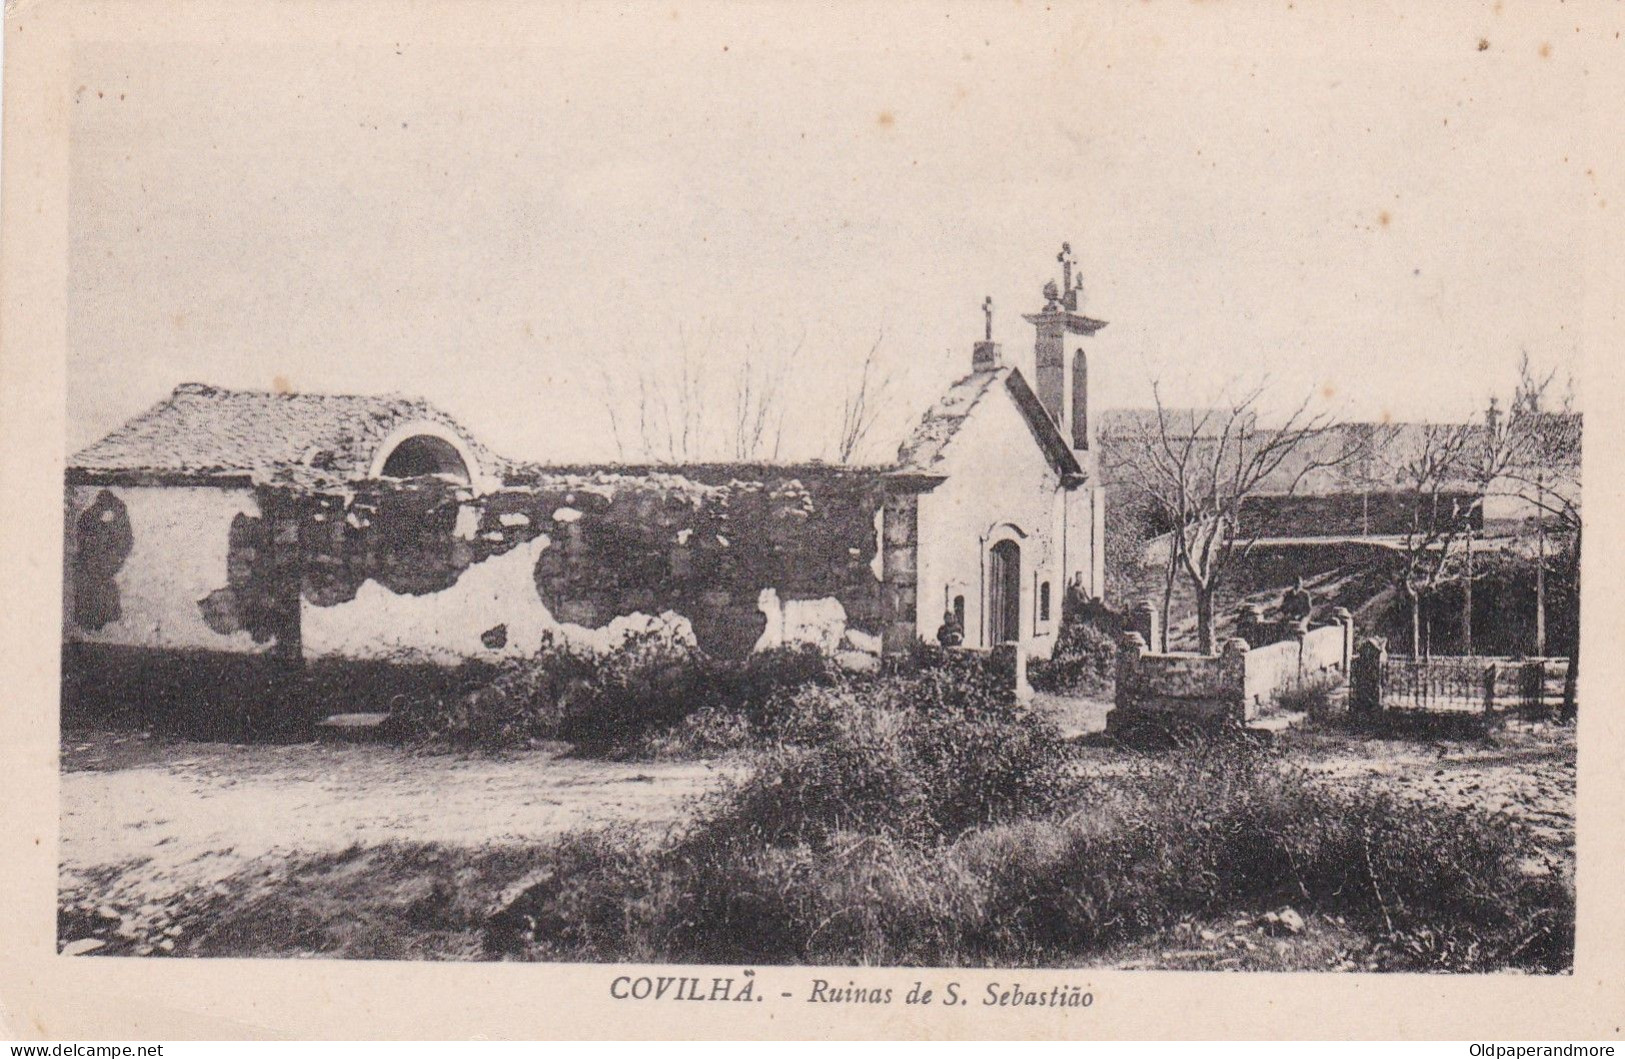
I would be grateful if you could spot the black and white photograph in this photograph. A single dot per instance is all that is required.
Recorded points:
(1090, 488)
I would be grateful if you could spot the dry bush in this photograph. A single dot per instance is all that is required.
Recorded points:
(644, 697)
(1316, 696)
(782, 870)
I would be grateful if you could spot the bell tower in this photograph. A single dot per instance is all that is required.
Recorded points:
(1062, 382)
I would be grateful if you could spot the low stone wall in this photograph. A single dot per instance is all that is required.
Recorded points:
(1181, 684)
(1321, 652)
(1234, 686)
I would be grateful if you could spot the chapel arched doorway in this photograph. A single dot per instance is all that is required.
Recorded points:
(1004, 592)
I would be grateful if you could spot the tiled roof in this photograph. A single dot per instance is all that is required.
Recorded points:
(923, 451)
(205, 431)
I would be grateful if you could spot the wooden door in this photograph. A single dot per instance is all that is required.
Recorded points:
(1004, 592)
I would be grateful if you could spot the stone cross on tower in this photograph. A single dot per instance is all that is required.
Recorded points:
(1069, 291)
(1054, 322)
(985, 354)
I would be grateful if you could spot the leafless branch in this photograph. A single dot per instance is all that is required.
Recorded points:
(863, 405)
(606, 396)
(1201, 472)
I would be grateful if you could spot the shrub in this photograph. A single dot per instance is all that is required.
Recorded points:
(637, 697)
(563, 691)
(1084, 660)
(593, 897)
(1316, 696)
(1206, 832)
(709, 732)
(920, 756)
(1085, 654)
(751, 684)
(943, 678)
(1230, 828)
(649, 681)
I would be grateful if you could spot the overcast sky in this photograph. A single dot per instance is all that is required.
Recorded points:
(1381, 210)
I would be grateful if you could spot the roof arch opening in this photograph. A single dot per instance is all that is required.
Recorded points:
(419, 449)
(421, 455)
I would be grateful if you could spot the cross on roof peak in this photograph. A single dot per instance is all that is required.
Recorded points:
(987, 313)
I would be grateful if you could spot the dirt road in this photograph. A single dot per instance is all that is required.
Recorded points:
(368, 850)
(147, 818)
(1525, 772)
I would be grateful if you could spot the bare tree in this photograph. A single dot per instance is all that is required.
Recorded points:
(684, 439)
(863, 405)
(1163, 513)
(1540, 448)
(1203, 468)
(606, 397)
(701, 402)
(1539, 451)
(1434, 468)
(670, 406)
(759, 405)
(651, 417)
(705, 402)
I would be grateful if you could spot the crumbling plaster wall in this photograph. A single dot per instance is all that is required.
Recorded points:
(166, 566)
(733, 562)
(999, 486)
(733, 559)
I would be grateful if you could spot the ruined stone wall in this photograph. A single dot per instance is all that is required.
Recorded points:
(732, 558)
(427, 570)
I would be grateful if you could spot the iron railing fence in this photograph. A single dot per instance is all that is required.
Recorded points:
(1453, 684)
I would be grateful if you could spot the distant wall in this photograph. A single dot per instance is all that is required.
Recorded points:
(1349, 514)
